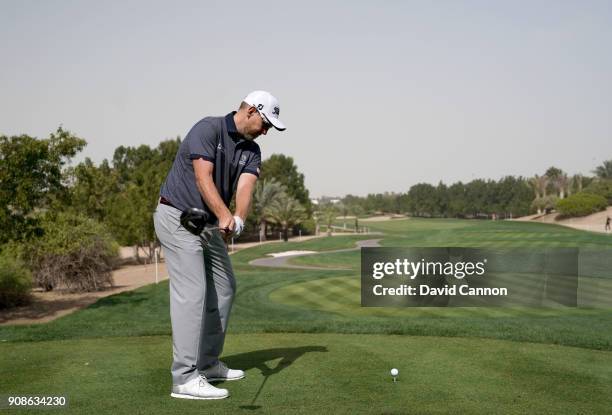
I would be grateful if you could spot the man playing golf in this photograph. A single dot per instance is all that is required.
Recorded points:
(217, 159)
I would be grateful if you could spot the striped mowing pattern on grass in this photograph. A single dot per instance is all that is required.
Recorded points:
(340, 294)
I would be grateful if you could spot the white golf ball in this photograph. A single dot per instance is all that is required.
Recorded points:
(394, 372)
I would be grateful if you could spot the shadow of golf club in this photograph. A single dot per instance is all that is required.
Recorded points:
(258, 359)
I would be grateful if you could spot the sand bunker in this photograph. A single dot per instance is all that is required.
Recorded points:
(290, 253)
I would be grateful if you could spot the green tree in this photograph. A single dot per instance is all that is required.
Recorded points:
(576, 184)
(32, 177)
(456, 200)
(519, 203)
(403, 202)
(539, 185)
(441, 200)
(283, 169)
(266, 191)
(93, 189)
(605, 170)
(422, 199)
(286, 212)
(557, 181)
(356, 211)
(562, 183)
(15, 278)
(140, 172)
(601, 187)
(553, 174)
(343, 211)
(373, 203)
(327, 213)
(476, 197)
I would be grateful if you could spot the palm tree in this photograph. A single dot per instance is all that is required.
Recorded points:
(539, 184)
(286, 212)
(328, 213)
(575, 183)
(604, 171)
(316, 218)
(265, 193)
(538, 204)
(342, 210)
(543, 184)
(561, 182)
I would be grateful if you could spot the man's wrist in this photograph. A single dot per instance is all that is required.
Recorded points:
(239, 225)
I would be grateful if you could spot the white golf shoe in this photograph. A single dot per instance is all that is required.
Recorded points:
(220, 372)
(198, 388)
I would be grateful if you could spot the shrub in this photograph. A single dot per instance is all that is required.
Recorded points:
(550, 202)
(546, 204)
(308, 227)
(601, 187)
(15, 279)
(581, 204)
(74, 252)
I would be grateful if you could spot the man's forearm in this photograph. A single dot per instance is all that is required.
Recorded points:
(211, 197)
(243, 202)
(244, 192)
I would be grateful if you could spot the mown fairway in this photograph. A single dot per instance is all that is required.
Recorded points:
(304, 331)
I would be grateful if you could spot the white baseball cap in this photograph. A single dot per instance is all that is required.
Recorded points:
(267, 105)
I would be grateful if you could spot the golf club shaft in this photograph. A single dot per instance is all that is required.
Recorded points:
(204, 240)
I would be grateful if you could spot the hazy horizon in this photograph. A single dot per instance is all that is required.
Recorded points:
(376, 97)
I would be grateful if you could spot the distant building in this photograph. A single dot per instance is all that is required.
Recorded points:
(325, 199)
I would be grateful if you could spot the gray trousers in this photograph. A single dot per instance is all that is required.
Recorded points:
(202, 287)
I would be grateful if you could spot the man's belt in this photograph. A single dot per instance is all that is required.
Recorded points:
(166, 202)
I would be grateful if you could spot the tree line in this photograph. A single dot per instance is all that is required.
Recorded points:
(38, 179)
(505, 198)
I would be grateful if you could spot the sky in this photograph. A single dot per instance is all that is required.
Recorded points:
(376, 96)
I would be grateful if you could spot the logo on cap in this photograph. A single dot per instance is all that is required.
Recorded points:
(276, 111)
(260, 107)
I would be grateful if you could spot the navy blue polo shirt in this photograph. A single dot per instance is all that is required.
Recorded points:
(217, 140)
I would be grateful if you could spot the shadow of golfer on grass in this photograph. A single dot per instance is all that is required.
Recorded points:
(258, 360)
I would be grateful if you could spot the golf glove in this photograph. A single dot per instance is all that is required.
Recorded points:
(239, 226)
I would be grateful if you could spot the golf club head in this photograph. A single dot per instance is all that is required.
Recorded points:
(194, 220)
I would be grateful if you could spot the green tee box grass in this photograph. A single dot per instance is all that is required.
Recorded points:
(114, 356)
(325, 373)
